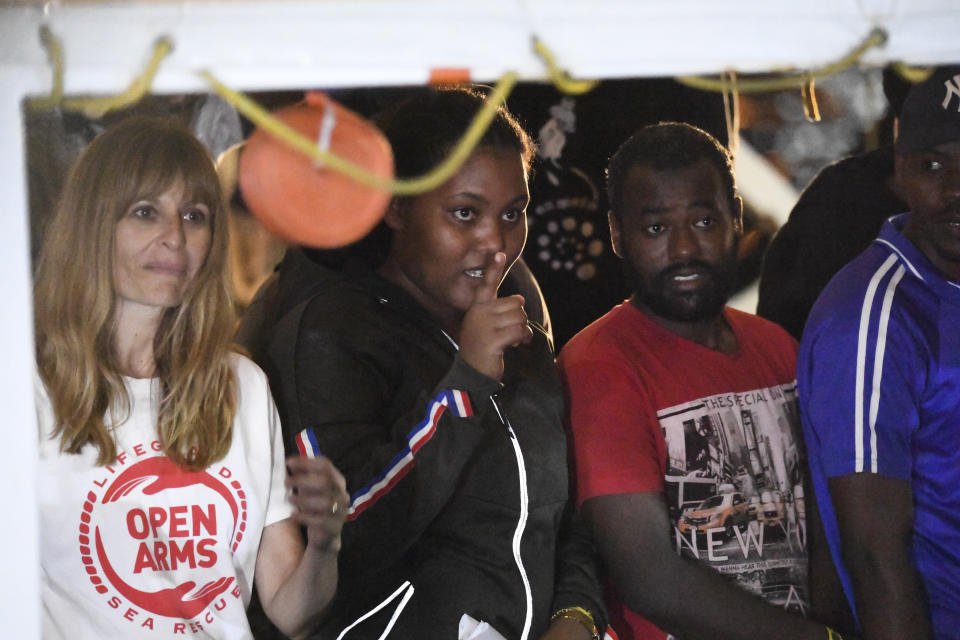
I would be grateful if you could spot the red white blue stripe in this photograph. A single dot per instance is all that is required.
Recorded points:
(454, 400)
(307, 444)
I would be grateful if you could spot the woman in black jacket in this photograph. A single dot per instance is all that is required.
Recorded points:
(440, 404)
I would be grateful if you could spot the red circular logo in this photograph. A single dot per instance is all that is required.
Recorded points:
(163, 537)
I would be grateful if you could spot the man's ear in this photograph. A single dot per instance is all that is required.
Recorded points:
(615, 239)
(738, 215)
(394, 215)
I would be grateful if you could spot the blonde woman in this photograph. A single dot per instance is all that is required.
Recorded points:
(162, 478)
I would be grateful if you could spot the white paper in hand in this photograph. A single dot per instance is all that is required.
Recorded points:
(471, 629)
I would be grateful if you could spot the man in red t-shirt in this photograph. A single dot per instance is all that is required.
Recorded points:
(682, 414)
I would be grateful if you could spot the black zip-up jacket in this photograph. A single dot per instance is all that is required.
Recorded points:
(448, 470)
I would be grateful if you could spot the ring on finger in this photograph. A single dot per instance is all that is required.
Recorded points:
(335, 507)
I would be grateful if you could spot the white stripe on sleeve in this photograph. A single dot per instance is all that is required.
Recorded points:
(878, 362)
(862, 356)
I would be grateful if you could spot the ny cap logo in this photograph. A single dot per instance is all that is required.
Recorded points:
(953, 89)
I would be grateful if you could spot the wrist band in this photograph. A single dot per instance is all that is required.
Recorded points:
(833, 635)
(582, 616)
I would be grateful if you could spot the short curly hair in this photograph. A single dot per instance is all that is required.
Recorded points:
(663, 147)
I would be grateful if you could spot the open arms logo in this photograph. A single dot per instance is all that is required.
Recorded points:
(163, 537)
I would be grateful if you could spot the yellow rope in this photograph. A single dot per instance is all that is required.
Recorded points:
(876, 38)
(912, 74)
(97, 107)
(55, 54)
(808, 94)
(410, 186)
(560, 78)
(731, 111)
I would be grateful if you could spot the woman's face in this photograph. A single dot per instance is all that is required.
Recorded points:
(160, 243)
(443, 240)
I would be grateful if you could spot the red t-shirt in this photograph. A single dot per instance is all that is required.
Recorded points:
(649, 411)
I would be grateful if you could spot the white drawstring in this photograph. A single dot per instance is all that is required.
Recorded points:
(409, 592)
(396, 614)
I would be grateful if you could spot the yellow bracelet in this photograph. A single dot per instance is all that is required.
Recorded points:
(582, 616)
(833, 635)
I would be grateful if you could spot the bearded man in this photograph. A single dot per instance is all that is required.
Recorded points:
(682, 414)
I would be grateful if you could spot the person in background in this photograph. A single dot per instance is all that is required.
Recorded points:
(879, 379)
(682, 414)
(568, 249)
(836, 217)
(161, 472)
(440, 403)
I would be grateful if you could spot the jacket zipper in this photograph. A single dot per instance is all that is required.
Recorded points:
(524, 507)
(522, 524)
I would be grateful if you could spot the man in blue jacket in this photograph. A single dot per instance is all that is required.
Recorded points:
(879, 377)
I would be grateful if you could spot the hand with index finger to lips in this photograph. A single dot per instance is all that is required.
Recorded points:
(492, 324)
(318, 491)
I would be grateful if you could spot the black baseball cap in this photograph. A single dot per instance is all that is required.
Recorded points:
(931, 112)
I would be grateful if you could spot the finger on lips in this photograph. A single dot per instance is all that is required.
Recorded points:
(492, 276)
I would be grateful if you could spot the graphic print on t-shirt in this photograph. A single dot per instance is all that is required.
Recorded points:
(156, 540)
(734, 485)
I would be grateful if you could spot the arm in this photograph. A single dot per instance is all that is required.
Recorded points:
(828, 602)
(401, 463)
(297, 582)
(862, 461)
(567, 629)
(619, 466)
(680, 596)
(400, 447)
(577, 580)
(875, 518)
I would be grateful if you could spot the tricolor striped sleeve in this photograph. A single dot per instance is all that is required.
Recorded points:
(453, 400)
(307, 444)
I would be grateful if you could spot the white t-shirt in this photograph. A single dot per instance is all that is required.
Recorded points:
(143, 549)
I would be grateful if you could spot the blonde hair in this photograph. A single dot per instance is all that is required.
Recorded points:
(75, 301)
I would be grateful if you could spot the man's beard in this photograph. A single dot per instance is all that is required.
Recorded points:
(687, 306)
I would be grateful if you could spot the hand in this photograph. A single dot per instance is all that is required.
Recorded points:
(319, 493)
(492, 324)
(566, 629)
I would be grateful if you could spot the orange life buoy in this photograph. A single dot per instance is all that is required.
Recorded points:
(310, 204)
